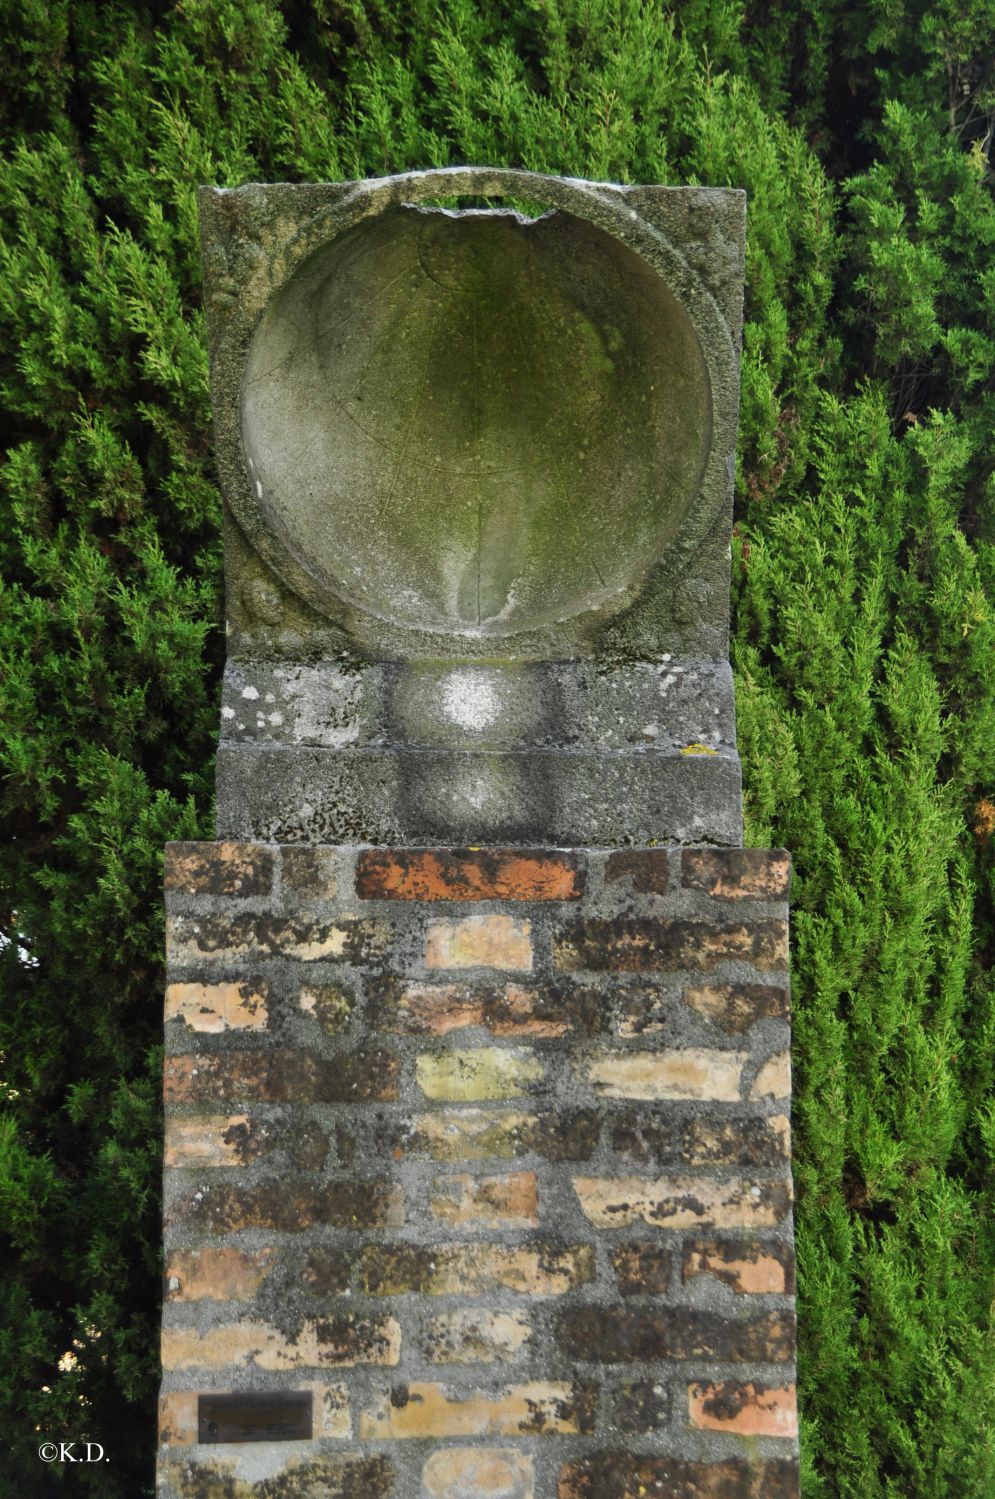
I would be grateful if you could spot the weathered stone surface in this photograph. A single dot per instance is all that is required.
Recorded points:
(468, 874)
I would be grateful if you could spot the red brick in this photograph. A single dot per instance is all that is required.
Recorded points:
(469, 874)
(737, 873)
(218, 869)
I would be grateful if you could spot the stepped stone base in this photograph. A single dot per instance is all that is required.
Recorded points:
(489, 1151)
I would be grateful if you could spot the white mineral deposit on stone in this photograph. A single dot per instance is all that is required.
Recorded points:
(227, 712)
(259, 488)
(270, 697)
(470, 700)
(273, 718)
(250, 692)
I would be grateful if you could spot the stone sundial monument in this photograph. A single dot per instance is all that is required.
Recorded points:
(477, 1163)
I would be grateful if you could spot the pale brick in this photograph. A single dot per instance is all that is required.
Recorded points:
(472, 1335)
(215, 1141)
(691, 1072)
(478, 1073)
(501, 1201)
(475, 1269)
(479, 941)
(218, 1007)
(774, 1078)
(681, 1201)
(343, 1341)
(465, 1472)
(749, 1410)
(178, 1418)
(431, 1410)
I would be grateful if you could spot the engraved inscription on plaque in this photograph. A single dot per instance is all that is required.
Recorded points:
(255, 1416)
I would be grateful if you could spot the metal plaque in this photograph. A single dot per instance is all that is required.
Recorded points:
(255, 1416)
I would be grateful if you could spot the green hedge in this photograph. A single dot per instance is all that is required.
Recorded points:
(864, 641)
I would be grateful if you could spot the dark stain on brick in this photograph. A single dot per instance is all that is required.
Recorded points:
(647, 869)
(624, 1475)
(623, 1334)
(332, 1477)
(640, 1406)
(642, 1268)
(732, 1142)
(287, 1206)
(633, 944)
(327, 1271)
(646, 1137)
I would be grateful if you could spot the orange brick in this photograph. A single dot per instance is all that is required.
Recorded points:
(747, 1266)
(749, 1410)
(468, 874)
(503, 1201)
(218, 1007)
(479, 941)
(219, 1274)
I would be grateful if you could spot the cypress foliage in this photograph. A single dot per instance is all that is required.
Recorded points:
(864, 639)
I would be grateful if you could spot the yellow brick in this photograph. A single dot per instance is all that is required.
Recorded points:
(681, 1201)
(479, 941)
(477, 1073)
(218, 1274)
(691, 1072)
(774, 1078)
(430, 1410)
(376, 1341)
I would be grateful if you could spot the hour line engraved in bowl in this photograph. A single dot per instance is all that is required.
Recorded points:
(474, 423)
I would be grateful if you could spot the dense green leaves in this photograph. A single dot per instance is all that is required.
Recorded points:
(864, 581)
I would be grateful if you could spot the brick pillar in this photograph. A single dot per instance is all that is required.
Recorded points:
(488, 1151)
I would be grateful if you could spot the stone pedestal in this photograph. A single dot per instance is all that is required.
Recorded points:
(488, 1151)
(477, 1083)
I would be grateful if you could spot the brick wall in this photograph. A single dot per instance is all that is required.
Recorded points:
(490, 1151)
